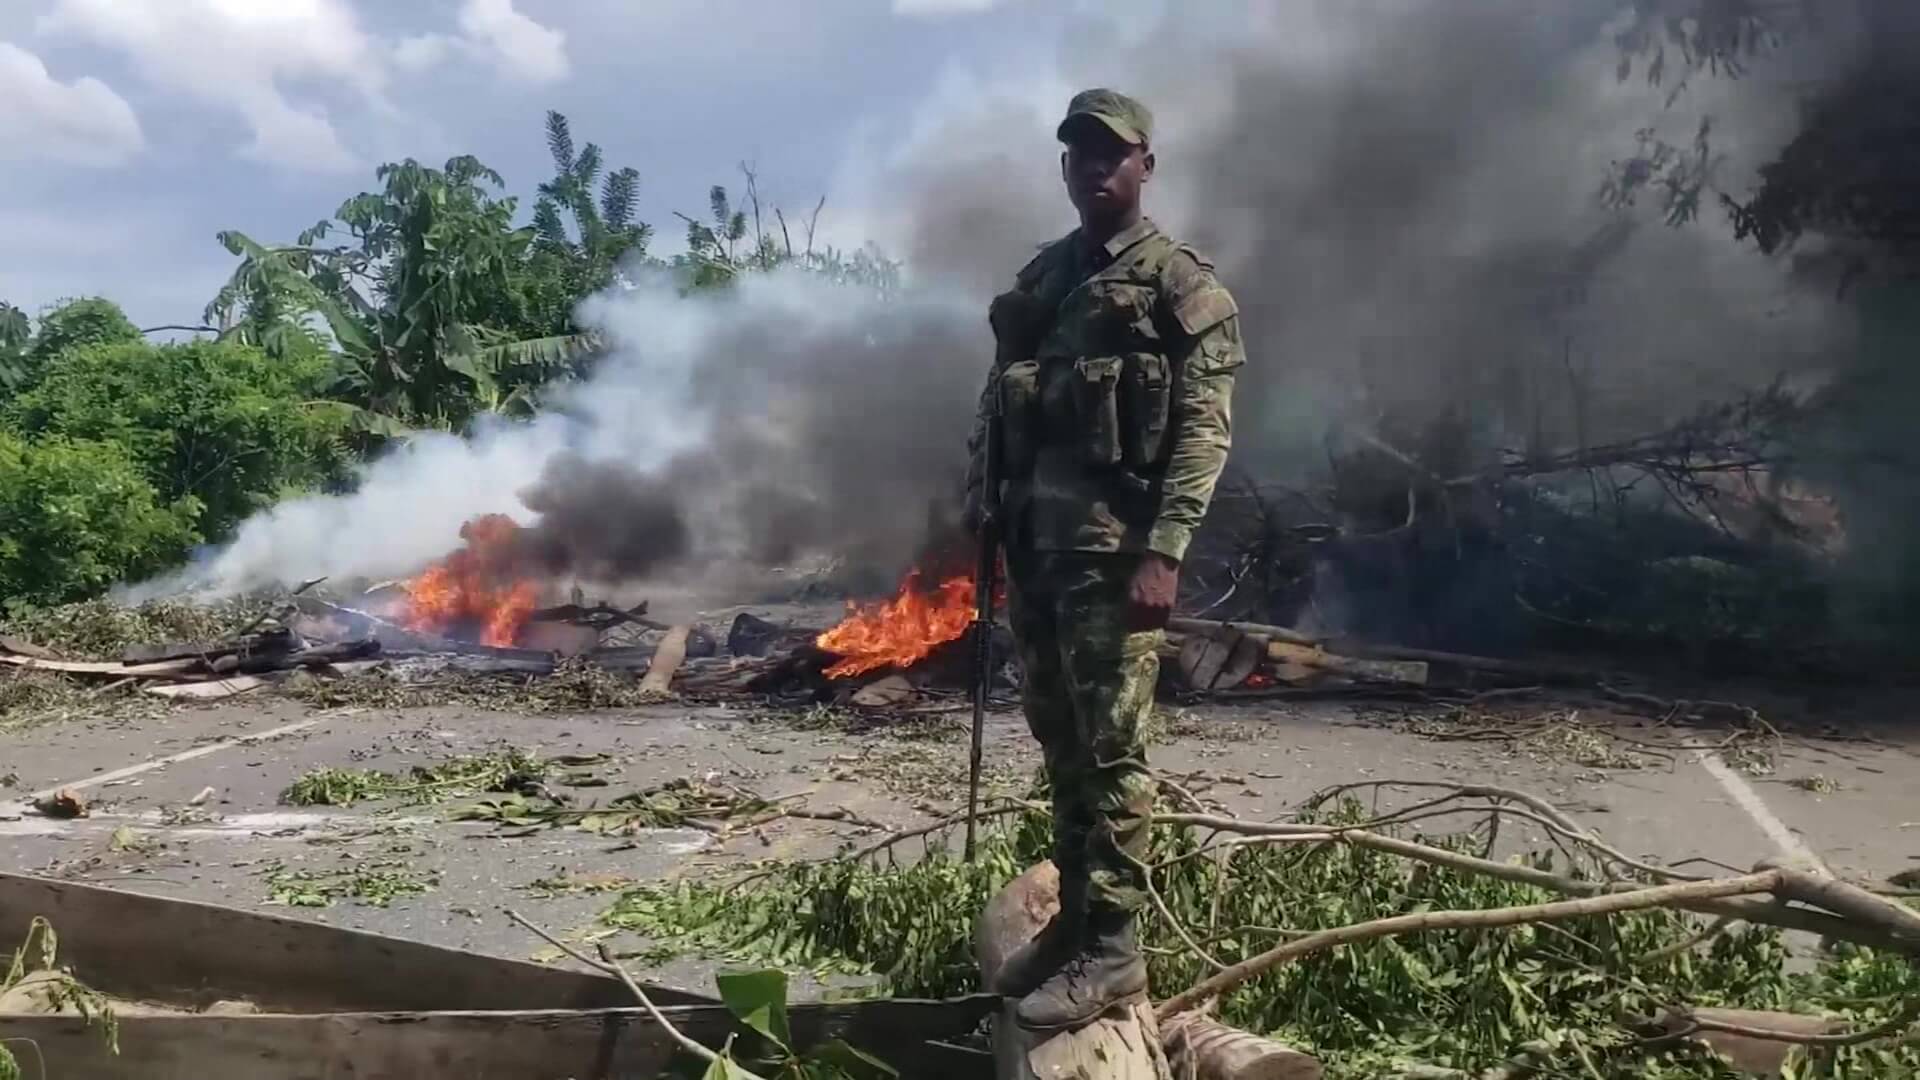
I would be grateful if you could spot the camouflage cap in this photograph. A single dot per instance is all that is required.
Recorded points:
(1123, 115)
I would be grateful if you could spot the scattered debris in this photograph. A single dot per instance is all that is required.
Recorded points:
(672, 805)
(1818, 784)
(573, 883)
(377, 883)
(460, 777)
(64, 804)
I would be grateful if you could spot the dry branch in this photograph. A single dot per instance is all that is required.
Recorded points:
(1872, 928)
(607, 964)
(1609, 904)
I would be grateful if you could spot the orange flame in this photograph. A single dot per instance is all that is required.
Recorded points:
(477, 584)
(900, 631)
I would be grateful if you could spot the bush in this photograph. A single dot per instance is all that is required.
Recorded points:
(78, 323)
(79, 517)
(216, 422)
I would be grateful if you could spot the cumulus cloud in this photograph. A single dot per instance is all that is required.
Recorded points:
(492, 33)
(523, 47)
(81, 123)
(944, 7)
(245, 58)
(288, 68)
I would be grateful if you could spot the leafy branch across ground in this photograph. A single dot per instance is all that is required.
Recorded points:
(1466, 999)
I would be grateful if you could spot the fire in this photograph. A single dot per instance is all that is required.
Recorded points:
(900, 631)
(476, 585)
(1257, 680)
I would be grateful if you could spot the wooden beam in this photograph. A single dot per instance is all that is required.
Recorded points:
(666, 660)
(489, 1045)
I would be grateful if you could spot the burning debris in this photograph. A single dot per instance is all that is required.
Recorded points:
(901, 631)
(480, 592)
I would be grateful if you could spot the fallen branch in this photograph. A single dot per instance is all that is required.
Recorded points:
(1610, 904)
(610, 966)
(1880, 932)
(1898, 1023)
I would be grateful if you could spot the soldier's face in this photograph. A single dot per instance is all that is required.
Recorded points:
(1103, 172)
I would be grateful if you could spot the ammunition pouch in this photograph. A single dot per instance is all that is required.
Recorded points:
(1019, 401)
(1019, 321)
(1146, 390)
(1096, 409)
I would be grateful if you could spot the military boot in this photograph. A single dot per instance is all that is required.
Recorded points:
(1106, 970)
(1047, 951)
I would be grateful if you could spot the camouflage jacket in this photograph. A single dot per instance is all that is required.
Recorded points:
(1112, 382)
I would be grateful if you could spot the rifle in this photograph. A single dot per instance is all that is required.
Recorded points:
(985, 571)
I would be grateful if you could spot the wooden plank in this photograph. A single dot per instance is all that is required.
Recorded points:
(23, 647)
(666, 661)
(281, 640)
(151, 948)
(112, 668)
(507, 1045)
(215, 690)
(1409, 672)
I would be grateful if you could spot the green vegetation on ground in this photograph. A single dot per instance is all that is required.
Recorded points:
(1462, 999)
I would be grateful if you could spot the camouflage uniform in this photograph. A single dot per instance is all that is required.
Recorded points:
(1112, 384)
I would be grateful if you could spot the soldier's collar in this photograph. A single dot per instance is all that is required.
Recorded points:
(1127, 237)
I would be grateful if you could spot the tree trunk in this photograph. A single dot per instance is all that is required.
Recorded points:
(1125, 1045)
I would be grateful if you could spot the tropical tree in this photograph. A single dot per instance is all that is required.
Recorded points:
(80, 516)
(568, 265)
(217, 426)
(422, 305)
(719, 250)
(16, 333)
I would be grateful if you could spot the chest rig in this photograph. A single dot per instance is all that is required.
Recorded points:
(1083, 364)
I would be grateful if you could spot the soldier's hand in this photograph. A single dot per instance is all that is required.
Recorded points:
(1151, 594)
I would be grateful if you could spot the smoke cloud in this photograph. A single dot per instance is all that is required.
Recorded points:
(1403, 197)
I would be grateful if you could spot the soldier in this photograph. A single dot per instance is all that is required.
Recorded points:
(1112, 378)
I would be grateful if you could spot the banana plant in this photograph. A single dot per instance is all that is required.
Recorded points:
(420, 304)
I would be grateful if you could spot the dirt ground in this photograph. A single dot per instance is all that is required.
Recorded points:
(1861, 815)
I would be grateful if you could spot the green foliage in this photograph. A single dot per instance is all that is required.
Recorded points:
(373, 883)
(220, 426)
(423, 784)
(758, 1000)
(1461, 999)
(36, 963)
(102, 629)
(719, 251)
(16, 333)
(912, 925)
(566, 266)
(423, 305)
(79, 517)
(76, 323)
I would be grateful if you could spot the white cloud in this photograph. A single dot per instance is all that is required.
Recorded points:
(82, 122)
(944, 7)
(494, 34)
(242, 55)
(526, 49)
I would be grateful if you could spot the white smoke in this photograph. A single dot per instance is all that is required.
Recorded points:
(717, 395)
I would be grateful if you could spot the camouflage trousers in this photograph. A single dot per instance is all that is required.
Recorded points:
(1088, 692)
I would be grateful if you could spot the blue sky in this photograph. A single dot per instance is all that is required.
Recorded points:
(135, 129)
